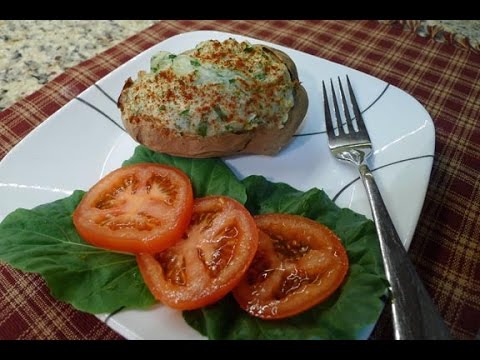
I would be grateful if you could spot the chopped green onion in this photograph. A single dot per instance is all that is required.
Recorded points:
(248, 49)
(229, 128)
(162, 108)
(219, 112)
(184, 112)
(195, 62)
(172, 56)
(202, 128)
(231, 81)
(260, 76)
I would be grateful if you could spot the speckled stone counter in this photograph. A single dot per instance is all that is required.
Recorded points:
(33, 52)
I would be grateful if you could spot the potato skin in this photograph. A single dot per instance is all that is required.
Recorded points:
(261, 140)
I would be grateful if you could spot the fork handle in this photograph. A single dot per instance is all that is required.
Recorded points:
(415, 317)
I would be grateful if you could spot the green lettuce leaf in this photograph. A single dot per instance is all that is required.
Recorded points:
(208, 176)
(44, 240)
(354, 306)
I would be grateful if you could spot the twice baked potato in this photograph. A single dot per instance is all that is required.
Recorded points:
(221, 98)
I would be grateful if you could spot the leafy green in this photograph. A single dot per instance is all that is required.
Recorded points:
(354, 306)
(208, 176)
(44, 240)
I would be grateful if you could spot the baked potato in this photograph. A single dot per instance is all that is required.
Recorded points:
(219, 99)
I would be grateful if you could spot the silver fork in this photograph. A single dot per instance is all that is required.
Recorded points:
(414, 314)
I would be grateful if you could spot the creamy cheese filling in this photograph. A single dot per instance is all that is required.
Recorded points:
(214, 89)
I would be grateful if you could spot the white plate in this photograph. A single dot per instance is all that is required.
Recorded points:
(78, 145)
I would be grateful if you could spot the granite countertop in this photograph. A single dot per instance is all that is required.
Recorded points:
(33, 52)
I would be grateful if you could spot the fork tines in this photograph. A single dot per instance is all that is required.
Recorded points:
(330, 125)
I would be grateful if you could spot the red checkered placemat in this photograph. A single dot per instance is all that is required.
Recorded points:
(445, 79)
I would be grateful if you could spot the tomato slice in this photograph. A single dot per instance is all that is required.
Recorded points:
(299, 264)
(209, 261)
(137, 208)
